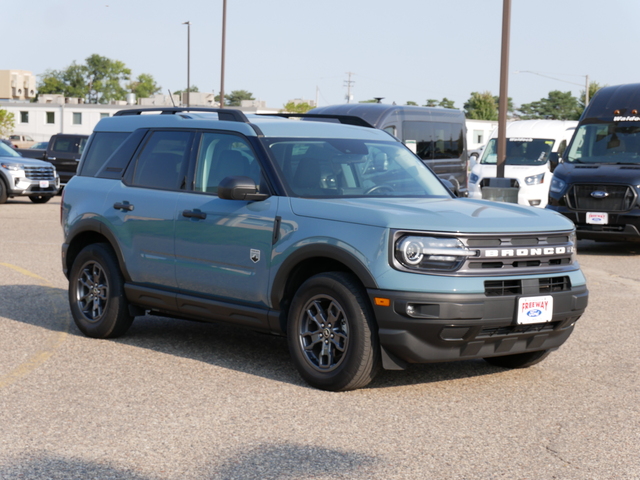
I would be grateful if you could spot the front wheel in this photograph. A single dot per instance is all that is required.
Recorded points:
(331, 333)
(96, 293)
(519, 360)
(40, 198)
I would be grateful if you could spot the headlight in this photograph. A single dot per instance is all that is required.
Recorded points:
(534, 179)
(431, 253)
(557, 185)
(473, 178)
(12, 166)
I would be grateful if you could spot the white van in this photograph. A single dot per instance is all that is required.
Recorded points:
(530, 144)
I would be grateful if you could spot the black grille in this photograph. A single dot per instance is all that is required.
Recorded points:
(618, 198)
(517, 329)
(555, 284)
(502, 288)
(39, 173)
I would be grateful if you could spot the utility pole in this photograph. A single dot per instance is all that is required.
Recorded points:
(188, 24)
(586, 92)
(348, 84)
(224, 36)
(504, 88)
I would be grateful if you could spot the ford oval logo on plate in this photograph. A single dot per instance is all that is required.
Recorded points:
(534, 313)
(599, 194)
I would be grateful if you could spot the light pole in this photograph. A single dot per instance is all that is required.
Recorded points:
(188, 24)
(224, 35)
(504, 78)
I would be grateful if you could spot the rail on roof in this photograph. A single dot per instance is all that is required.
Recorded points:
(345, 119)
(226, 114)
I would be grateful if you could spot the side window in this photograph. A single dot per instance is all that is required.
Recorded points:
(102, 146)
(562, 147)
(448, 140)
(163, 160)
(222, 155)
(419, 134)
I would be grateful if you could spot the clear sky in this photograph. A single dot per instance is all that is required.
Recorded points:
(401, 50)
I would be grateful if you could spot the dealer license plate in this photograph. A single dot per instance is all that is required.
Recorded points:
(598, 218)
(44, 183)
(535, 309)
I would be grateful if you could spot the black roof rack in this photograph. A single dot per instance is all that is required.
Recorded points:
(227, 114)
(346, 119)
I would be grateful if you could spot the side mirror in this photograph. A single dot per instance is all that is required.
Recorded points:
(449, 186)
(554, 160)
(240, 188)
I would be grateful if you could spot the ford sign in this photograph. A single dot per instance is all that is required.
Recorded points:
(599, 194)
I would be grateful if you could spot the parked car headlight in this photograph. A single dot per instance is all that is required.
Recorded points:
(534, 179)
(473, 178)
(12, 166)
(557, 185)
(431, 253)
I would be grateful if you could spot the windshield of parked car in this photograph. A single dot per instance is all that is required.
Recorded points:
(520, 151)
(7, 151)
(606, 143)
(352, 168)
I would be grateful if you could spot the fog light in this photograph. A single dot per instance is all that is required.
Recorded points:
(534, 203)
(410, 309)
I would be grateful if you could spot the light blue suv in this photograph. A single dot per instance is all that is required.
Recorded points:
(334, 235)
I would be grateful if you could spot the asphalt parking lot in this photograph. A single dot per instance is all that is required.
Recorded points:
(184, 400)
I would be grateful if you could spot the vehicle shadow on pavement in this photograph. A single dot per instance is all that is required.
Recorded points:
(225, 346)
(618, 249)
(55, 467)
(277, 461)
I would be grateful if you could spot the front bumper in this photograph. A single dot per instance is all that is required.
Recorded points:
(446, 327)
(622, 226)
(21, 186)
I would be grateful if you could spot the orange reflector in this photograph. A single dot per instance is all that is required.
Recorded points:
(382, 302)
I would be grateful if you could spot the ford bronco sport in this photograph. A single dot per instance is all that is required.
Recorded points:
(334, 235)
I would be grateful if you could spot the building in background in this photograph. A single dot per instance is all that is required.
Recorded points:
(17, 85)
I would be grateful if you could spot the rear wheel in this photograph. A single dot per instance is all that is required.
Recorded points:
(331, 333)
(519, 360)
(96, 293)
(40, 198)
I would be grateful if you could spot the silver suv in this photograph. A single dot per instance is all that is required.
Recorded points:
(26, 177)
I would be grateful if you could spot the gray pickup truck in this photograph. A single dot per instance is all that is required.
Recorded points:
(63, 152)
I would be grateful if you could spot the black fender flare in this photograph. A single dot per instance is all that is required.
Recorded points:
(313, 251)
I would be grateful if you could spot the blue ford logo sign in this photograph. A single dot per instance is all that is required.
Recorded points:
(599, 194)
(534, 313)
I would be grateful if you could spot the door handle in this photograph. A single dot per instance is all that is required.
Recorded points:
(194, 214)
(123, 206)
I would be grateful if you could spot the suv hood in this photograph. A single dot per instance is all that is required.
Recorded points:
(31, 162)
(434, 214)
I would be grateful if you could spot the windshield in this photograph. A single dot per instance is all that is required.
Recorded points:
(352, 168)
(520, 151)
(606, 143)
(7, 151)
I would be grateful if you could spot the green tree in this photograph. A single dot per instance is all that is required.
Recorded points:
(144, 86)
(446, 103)
(234, 99)
(99, 80)
(7, 122)
(557, 106)
(411, 103)
(373, 100)
(193, 89)
(431, 102)
(593, 88)
(481, 106)
(293, 107)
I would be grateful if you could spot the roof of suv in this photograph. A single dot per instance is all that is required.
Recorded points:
(257, 125)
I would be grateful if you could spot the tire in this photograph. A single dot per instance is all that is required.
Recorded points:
(96, 293)
(40, 198)
(332, 334)
(3, 192)
(519, 360)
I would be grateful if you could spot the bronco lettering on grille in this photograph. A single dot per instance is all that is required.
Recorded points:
(527, 252)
